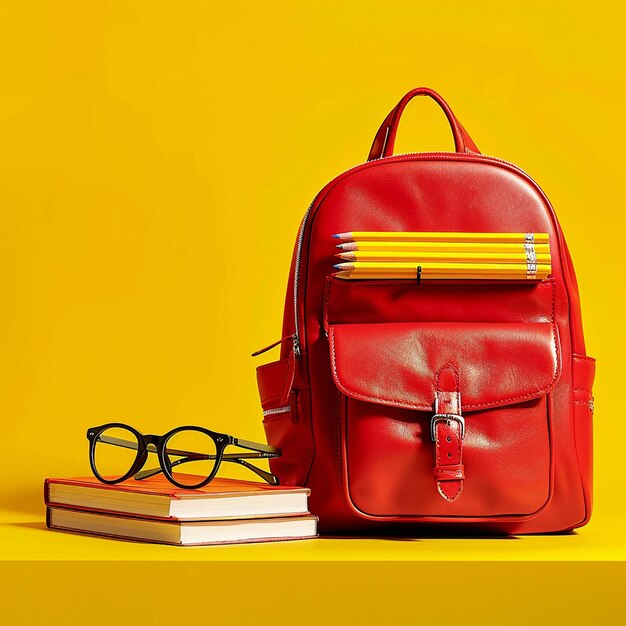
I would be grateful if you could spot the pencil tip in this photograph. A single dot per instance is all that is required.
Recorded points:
(338, 266)
(336, 236)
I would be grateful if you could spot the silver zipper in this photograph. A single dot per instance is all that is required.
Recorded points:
(296, 280)
(296, 273)
(276, 411)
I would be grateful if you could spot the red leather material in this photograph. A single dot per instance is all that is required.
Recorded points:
(448, 434)
(370, 301)
(370, 352)
(386, 462)
(386, 135)
(275, 381)
(397, 364)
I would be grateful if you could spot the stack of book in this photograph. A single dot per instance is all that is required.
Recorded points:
(443, 256)
(154, 510)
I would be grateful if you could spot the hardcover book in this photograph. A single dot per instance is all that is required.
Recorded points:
(189, 533)
(156, 497)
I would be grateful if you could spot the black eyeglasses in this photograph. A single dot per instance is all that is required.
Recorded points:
(118, 451)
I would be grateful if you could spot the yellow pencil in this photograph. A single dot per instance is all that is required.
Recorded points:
(440, 246)
(426, 276)
(442, 236)
(454, 257)
(461, 268)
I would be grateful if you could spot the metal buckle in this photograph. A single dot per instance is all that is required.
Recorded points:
(446, 417)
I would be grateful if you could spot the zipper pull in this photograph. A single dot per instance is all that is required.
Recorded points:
(296, 346)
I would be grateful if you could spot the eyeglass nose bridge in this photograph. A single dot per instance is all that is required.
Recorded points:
(151, 439)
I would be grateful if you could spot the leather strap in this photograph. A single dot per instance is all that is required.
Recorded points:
(448, 429)
(386, 135)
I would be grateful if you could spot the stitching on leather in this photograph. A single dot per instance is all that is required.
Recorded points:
(556, 348)
(451, 497)
(458, 391)
(449, 468)
(437, 445)
(449, 474)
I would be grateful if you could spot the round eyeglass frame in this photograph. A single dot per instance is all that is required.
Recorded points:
(221, 440)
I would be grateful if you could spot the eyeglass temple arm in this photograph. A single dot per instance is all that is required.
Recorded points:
(115, 441)
(267, 476)
(259, 447)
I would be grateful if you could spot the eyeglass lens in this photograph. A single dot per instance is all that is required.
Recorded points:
(115, 451)
(192, 456)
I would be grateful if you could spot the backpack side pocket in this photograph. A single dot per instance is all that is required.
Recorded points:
(282, 420)
(583, 373)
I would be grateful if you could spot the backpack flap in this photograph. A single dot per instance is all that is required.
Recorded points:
(397, 364)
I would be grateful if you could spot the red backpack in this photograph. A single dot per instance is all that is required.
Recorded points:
(405, 402)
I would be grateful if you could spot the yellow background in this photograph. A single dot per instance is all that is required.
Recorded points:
(156, 159)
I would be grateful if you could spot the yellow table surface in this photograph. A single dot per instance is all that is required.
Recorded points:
(24, 537)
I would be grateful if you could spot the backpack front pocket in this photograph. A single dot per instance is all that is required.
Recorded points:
(388, 375)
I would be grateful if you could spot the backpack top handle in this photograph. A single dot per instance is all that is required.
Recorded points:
(386, 135)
